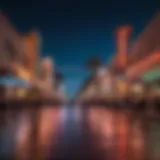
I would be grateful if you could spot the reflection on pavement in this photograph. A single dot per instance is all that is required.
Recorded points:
(65, 133)
(116, 134)
(36, 133)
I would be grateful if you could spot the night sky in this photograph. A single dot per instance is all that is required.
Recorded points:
(73, 31)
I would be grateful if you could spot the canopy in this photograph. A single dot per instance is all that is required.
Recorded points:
(13, 81)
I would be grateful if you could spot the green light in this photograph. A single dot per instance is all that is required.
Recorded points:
(152, 75)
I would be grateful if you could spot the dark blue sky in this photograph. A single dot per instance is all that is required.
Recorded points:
(75, 30)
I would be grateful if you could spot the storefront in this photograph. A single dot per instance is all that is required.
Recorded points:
(151, 75)
(152, 78)
(12, 87)
(121, 87)
(136, 91)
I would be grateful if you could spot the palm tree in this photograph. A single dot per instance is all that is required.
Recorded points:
(93, 63)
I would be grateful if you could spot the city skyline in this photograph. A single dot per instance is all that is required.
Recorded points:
(73, 33)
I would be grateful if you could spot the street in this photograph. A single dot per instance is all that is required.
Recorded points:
(63, 133)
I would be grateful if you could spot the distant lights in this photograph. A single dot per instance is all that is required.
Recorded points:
(102, 72)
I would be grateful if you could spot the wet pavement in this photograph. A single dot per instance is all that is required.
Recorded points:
(75, 133)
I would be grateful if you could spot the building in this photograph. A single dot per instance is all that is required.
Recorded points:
(132, 64)
(105, 82)
(145, 53)
(147, 42)
(120, 60)
(27, 71)
(11, 53)
(142, 57)
(11, 49)
(45, 80)
(46, 70)
(100, 85)
(18, 54)
(31, 45)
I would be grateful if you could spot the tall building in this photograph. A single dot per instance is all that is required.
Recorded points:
(147, 42)
(11, 54)
(105, 82)
(11, 50)
(45, 81)
(119, 62)
(28, 70)
(31, 49)
(145, 53)
(140, 61)
(46, 69)
(144, 59)
(18, 53)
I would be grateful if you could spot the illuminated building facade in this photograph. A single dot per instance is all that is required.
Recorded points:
(31, 45)
(11, 53)
(47, 70)
(148, 41)
(145, 53)
(11, 50)
(28, 69)
(18, 53)
(105, 82)
(100, 85)
(142, 57)
(119, 62)
(139, 62)
(45, 82)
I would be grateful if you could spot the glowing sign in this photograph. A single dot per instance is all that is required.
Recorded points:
(142, 66)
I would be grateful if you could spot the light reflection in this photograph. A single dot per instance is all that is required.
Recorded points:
(47, 129)
(107, 124)
(115, 133)
(94, 115)
(137, 141)
(22, 137)
(107, 132)
(36, 133)
(122, 135)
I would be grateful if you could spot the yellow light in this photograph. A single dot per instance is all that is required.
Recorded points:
(21, 92)
(122, 86)
(23, 73)
(137, 88)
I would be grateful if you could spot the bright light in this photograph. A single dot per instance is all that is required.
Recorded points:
(137, 88)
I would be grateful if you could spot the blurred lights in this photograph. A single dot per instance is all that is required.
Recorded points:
(137, 88)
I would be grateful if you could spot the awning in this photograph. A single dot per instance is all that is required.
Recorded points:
(13, 81)
(151, 75)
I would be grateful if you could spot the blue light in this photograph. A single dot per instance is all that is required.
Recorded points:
(13, 81)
